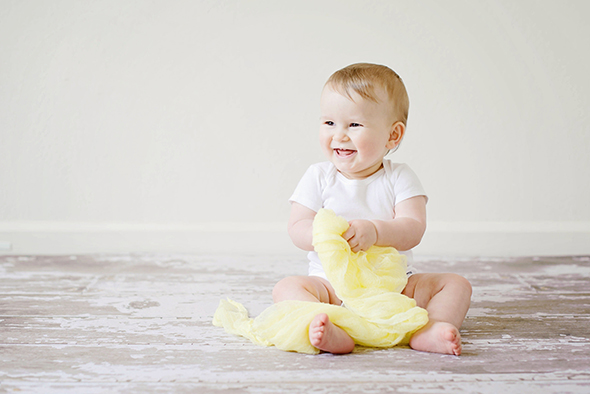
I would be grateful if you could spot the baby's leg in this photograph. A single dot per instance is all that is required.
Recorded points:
(323, 334)
(305, 288)
(446, 297)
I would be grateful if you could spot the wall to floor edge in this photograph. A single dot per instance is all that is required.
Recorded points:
(443, 239)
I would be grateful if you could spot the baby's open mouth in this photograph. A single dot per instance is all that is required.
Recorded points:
(344, 152)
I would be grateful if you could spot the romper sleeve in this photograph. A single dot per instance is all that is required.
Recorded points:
(309, 190)
(406, 183)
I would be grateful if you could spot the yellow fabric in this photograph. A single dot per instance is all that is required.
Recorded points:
(370, 283)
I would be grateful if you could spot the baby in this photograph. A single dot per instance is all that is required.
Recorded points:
(364, 111)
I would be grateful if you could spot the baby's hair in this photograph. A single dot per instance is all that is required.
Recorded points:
(362, 78)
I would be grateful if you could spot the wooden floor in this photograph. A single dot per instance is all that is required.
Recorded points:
(142, 324)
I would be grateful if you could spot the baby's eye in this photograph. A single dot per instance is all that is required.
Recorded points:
(355, 125)
(329, 123)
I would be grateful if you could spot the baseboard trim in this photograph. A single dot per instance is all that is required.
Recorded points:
(510, 227)
(442, 238)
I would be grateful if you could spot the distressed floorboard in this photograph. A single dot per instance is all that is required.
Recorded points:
(142, 324)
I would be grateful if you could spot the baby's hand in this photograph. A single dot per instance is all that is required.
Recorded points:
(361, 235)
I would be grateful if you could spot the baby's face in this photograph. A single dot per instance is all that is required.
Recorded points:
(355, 134)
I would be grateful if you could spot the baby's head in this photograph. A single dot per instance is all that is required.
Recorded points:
(366, 80)
(364, 110)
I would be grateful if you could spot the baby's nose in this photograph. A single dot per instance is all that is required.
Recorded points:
(341, 135)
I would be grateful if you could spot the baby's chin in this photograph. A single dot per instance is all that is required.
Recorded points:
(354, 173)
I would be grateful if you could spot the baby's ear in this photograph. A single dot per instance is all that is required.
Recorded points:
(398, 129)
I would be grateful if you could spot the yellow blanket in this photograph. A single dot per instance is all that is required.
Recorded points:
(375, 313)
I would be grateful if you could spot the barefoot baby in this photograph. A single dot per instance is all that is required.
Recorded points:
(364, 112)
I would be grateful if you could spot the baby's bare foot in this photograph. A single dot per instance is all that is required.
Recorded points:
(328, 337)
(437, 337)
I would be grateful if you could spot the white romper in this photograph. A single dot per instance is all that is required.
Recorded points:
(372, 198)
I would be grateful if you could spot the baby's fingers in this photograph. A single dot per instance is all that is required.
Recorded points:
(356, 248)
(355, 244)
(348, 234)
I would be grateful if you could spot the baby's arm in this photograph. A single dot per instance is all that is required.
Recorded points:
(403, 232)
(300, 226)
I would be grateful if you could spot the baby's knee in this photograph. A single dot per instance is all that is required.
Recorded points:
(461, 283)
(284, 287)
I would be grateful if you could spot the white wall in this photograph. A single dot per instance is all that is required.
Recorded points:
(121, 120)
